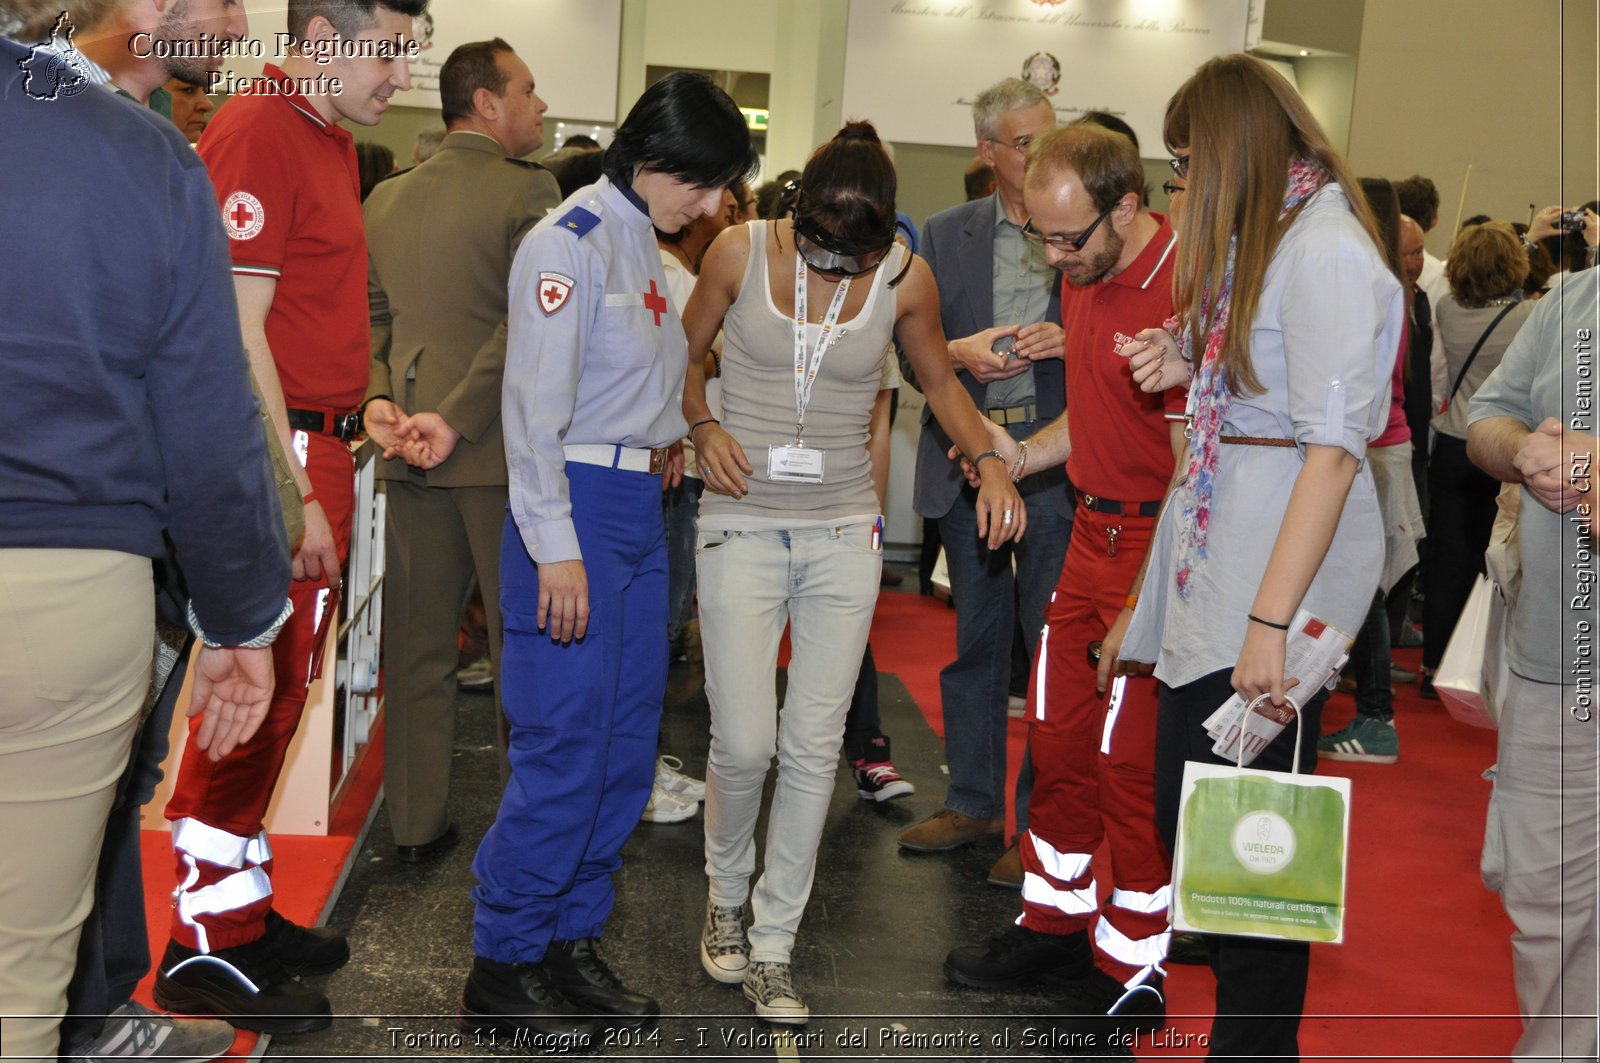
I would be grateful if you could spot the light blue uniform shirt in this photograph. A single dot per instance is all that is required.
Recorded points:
(1323, 343)
(595, 353)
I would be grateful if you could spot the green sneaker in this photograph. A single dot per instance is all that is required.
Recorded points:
(1366, 739)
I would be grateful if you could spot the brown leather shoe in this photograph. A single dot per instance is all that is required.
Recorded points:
(948, 829)
(1007, 871)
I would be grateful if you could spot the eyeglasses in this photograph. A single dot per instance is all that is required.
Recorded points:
(1067, 243)
(1172, 188)
(1020, 145)
(1180, 165)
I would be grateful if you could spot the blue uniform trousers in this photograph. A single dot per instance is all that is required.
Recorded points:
(583, 718)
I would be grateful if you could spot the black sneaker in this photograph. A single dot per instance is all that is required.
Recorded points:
(246, 986)
(1100, 1010)
(306, 950)
(575, 970)
(1189, 949)
(1019, 956)
(514, 997)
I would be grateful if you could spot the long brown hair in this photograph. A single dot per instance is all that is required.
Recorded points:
(1243, 125)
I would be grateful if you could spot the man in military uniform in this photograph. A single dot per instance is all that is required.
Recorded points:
(440, 240)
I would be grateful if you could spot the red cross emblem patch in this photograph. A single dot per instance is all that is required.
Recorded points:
(243, 216)
(554, 291)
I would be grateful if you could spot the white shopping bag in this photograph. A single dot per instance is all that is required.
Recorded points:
(1473, 673)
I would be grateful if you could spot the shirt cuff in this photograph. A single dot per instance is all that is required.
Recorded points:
(260, 642)
(552, 541)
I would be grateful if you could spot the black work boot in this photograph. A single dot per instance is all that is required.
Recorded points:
(306, 950)
(577, 972)
(516, 997)
(1018, 957)
(246, 986)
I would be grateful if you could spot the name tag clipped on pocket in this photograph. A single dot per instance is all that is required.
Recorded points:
(795, 463)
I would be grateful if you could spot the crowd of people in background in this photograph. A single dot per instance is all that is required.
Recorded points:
(640, 410)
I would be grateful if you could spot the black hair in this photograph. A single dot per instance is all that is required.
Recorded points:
(575, 171)
(1419, 200)
(349, 17)
(581, 140)
(847, 191)
(1385, 204)
(685, 127)
(374, 162)
(1107, 120)
(472, 66)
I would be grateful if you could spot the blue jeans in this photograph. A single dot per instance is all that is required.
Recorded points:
(974, 687)
(1370, 663)
(822, 583)
(680, 506)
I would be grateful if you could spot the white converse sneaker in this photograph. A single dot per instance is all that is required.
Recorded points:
(670, 777)
(770, 988)
(665, 807)
(724, 948)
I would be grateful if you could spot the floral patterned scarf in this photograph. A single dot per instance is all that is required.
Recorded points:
(1209, 395)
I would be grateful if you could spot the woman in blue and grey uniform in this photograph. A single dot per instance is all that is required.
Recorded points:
(595, 361)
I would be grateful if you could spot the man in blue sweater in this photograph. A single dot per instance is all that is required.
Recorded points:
(129, 414)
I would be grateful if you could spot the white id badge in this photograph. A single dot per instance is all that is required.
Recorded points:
(794, 464)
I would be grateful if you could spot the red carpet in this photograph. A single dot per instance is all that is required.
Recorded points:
(1425, 968)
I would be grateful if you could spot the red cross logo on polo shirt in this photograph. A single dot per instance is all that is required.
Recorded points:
(243, 216)
(655, 302)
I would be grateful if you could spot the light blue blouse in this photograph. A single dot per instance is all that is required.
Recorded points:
(1323, 344)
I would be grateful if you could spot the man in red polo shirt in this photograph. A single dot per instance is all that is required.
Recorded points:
(1094, 747)
(285, 173)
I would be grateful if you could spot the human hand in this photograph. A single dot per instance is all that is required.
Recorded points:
(1002, 515)
(999, 439)
(1043, 339)
(1111, 662)
(723, 465)
(974, 354)
(563, 600)
(1156, 363)
(318, 556)
(672, 474)
(232, 687)
(382, 421)
(426, 440)
(1545, 462)
(1259, 669)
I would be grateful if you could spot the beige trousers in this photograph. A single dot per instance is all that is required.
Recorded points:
(74, 671)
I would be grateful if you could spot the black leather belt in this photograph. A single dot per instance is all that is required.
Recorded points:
(1121, 509)
(344, 427)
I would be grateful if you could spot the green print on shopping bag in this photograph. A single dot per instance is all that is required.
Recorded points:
(1262, 854)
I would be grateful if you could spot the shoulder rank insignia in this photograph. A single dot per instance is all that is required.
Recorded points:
(578, 221)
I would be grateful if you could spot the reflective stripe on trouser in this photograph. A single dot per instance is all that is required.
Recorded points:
(223, 875)
(584, 718)
(1095, 759)
(230, 796)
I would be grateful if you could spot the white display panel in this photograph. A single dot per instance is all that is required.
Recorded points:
(913, 67)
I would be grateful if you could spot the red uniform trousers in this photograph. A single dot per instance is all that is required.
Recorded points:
(1094, 763)
(224, 865)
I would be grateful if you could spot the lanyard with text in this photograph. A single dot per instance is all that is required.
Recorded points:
(797, 462)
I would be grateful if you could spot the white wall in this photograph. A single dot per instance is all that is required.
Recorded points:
(1509, 88)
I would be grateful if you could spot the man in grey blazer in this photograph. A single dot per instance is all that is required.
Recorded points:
(1001, 305)
(441, 237)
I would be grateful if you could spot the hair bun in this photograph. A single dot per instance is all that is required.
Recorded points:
(858, 131)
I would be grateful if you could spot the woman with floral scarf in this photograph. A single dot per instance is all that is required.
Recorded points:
(1286, 330)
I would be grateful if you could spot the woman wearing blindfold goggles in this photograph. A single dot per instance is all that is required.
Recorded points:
(790, 529)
